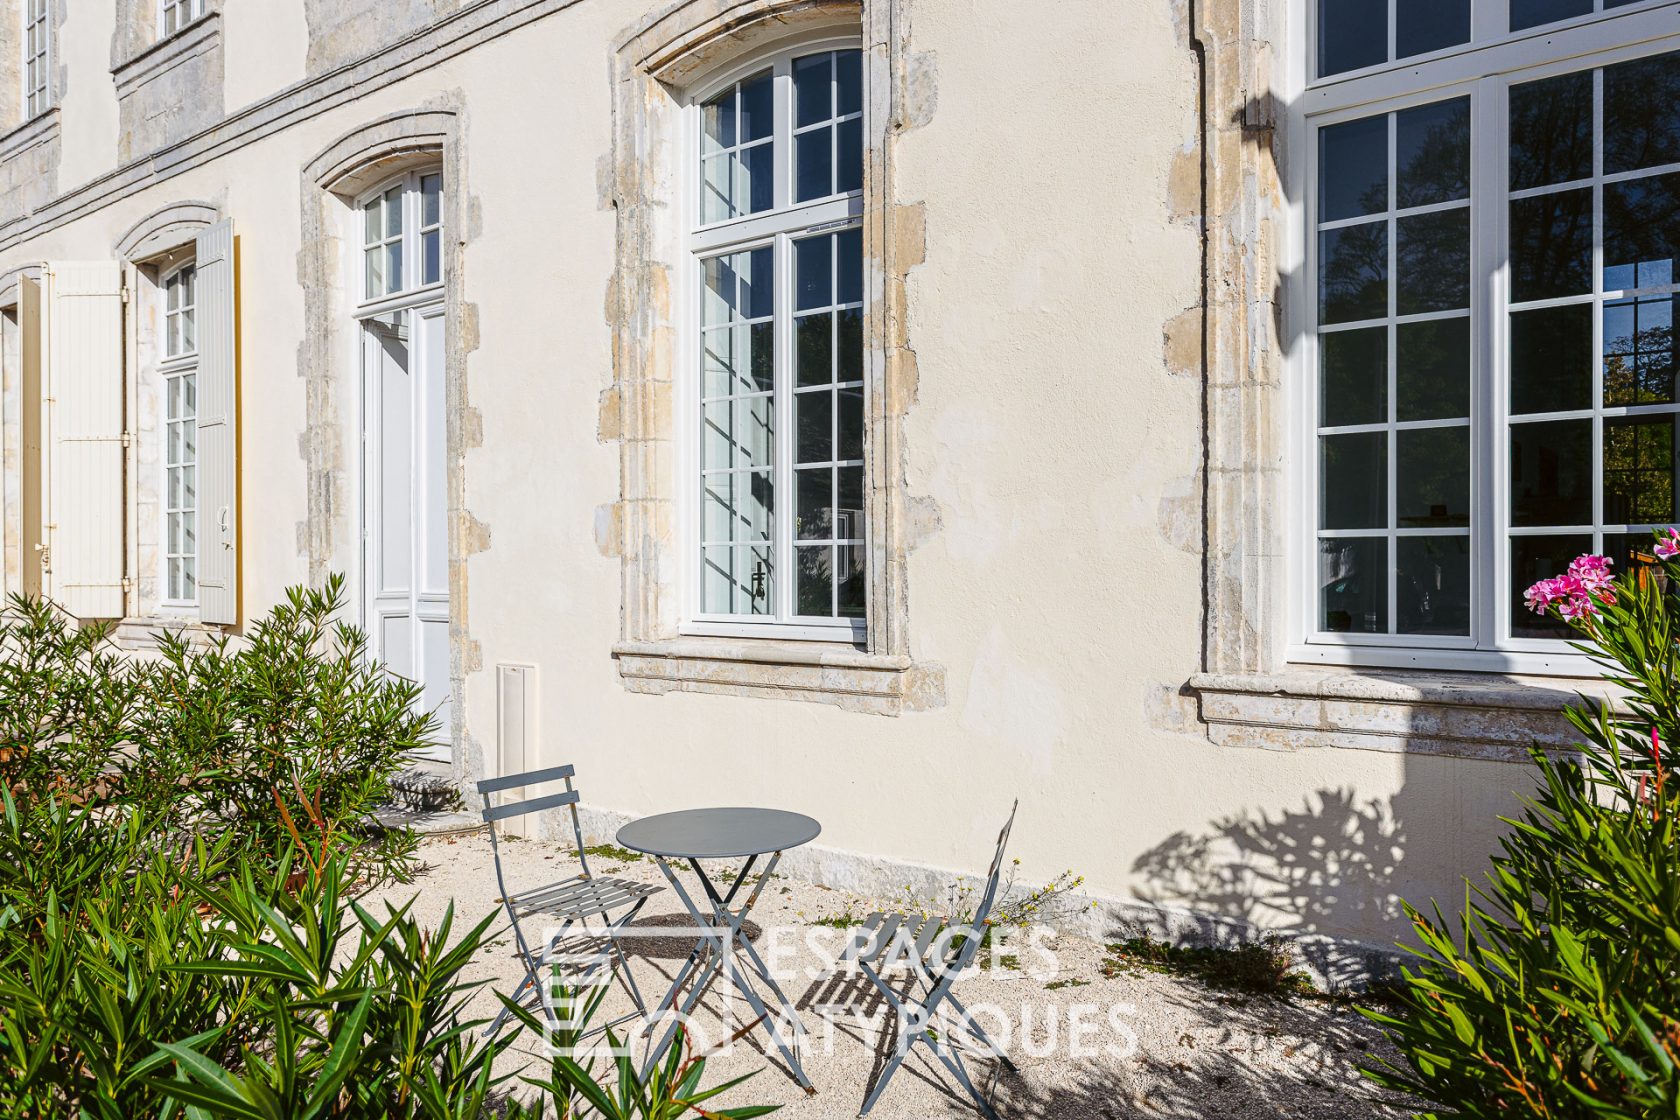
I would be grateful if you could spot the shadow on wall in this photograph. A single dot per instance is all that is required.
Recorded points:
(1331, 868)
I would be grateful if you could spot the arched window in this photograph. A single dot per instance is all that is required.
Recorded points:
(775, 366)
(402, 232)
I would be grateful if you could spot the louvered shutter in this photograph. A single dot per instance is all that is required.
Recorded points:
(218, 428)
(82, 429)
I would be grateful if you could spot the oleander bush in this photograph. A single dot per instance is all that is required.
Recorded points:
(182, 839)
(1555, 991)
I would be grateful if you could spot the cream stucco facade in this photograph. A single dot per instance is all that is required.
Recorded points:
(1076, 402)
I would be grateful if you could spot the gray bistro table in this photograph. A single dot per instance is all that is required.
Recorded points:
(693, 835)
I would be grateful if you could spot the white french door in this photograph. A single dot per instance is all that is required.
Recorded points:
(405, 542)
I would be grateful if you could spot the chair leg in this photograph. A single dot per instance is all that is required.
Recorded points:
(887, 1071)
(953, 1062)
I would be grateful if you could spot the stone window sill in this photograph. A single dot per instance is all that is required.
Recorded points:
(43, 126)
(198, 37)
(1468, 715)
(811, 671)
(140, 632)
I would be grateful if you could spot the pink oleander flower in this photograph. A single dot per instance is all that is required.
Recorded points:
(1592, 571)
(1667, 547)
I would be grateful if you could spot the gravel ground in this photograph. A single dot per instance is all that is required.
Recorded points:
(1191, 1052)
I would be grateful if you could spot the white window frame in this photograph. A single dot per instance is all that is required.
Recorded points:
(176, 366)
(411, 237)
(1484, 70)
(778, 227)
(183, 12)
(37, 95)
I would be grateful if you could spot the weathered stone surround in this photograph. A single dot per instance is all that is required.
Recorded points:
(666, 52)
(170, 90)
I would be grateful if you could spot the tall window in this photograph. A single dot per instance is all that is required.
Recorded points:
(778, 538)
(176, 14)
(402, 236)
(180, 448)
(1492, 265)
(37, 95)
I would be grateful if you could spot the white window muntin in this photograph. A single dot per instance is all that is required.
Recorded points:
(1484, 74)
(1480, 24)
(37, 77)
(176, 14)
(775, 229)
(178, 371)
(399, 234)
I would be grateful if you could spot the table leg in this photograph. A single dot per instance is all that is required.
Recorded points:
(730, 921)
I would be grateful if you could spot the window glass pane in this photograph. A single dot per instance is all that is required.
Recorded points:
(737, 580)
(815, 420)
(813, 164)
(848, 514)
(1641, 232)
(815, 518)
(814, 349)
(1353, 584)
(1639, 351)
(394, 267)
(1639, 470)
(849, 581)
(849, 264)
(1354, 481)
(755, 191)
(1432, 585)
(850, 329)
(1353, 387)
(1642, 113)
(1551, 358)
(816, 580)
(757, 115)
(1551, 245)
(1551, 473)
(373, 272)
(717, 120)
(1353, 273)
(1430, 25)
(1432, 257)
(188, 342)
(1353, 169)
(737, 507)
(848, 75)
(1532, 560)
(1432, 477)
(393, 212)
(1533, 13)
(1351, 34)
(812, 90)
(1551, 131)
(851, 424)
(431, 199)
(849, 158)
(716, 188)
(1432, 149)
(813, 263)
(430, 243)
(1432, 375)
(758, 283)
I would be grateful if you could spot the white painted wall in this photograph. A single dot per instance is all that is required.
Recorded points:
(1060, 591)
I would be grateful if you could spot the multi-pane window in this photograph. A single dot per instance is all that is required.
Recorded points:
(176, 14)
(37, 96)
(179, 371)
(402, 236)
(779, 534)
(1356, 34)
(1492, 264)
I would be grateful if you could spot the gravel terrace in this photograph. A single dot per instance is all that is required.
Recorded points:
(1197, 1053)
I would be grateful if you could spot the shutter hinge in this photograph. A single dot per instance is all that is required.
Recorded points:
(128, 439)
(127, 585)
(125, 293)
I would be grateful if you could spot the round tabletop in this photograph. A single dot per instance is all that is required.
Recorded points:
(718, 833)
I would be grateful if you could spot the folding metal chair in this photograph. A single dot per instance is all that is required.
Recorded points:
(572, 900)
(938, 953)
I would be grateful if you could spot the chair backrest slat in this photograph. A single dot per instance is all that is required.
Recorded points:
(529, 778)
(977, 928)
(493, 813)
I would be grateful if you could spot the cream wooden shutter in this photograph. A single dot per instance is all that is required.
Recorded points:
(82, 437)
(218, 428)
